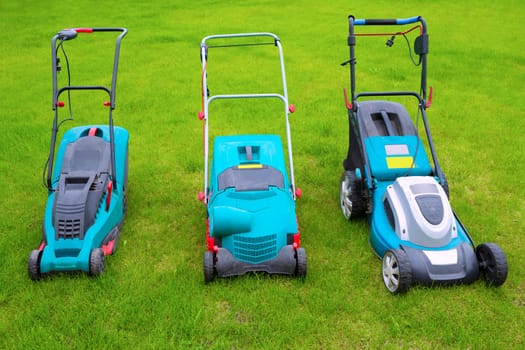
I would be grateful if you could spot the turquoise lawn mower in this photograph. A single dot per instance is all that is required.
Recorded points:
(389, 177)
(250, 201)
(87, 179)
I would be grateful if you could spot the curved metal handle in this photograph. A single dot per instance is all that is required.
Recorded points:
(239, 35)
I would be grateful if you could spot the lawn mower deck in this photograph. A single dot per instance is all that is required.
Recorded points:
(389, 178)
(250, 200)
(86, 183)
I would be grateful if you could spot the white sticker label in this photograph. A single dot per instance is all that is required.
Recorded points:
(442, 257)
(396, 150)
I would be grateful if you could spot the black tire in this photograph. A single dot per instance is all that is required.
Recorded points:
(492, 263)
(33, 266)
(396, 271)
(300, 258)
(96, 262)
(209, 266)
(350, 196)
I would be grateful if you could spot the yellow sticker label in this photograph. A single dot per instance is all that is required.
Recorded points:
(399, 162)
(250, 166)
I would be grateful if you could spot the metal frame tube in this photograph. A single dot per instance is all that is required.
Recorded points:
(57, 91)
(208, 99)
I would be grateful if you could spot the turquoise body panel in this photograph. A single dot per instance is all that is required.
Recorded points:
(73, 254)
(230, 151)
(399, 150)
(252, 224)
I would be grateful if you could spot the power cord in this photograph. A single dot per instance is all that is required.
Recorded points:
(390, 42)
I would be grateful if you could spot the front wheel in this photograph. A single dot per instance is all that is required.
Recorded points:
(300, 258)
(33, 266)
(209, 266)
(96, 262)
(492, 263)
(397, 272)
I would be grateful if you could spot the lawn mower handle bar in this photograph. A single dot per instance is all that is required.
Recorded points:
(421, 98)
(352, 21)
(239, 35)
(208, 99)
(205, 46)
(68, 34)
(390, 21)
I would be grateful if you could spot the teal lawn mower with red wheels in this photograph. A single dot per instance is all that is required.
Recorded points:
(249, 193)
(394, 178)
(86, 181)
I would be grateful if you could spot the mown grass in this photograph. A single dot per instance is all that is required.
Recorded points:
(152, 294)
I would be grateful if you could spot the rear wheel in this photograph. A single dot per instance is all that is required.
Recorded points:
(397, 273)
(96, 262)
(300, 258)
(33, 266)
(492, 263)
(350, 196)
(209, 266)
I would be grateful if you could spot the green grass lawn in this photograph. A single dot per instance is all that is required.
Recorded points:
(152, 294)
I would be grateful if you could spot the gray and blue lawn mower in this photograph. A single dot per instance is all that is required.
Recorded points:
(390, 178)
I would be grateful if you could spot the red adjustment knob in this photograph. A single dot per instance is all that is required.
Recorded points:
(296, 241)
(291, 108)
(347, 102)
(200, 196)
(107, 103)
(429, 102)
(60, 104)
(108, 198)
(298, 192)
(201, 115)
